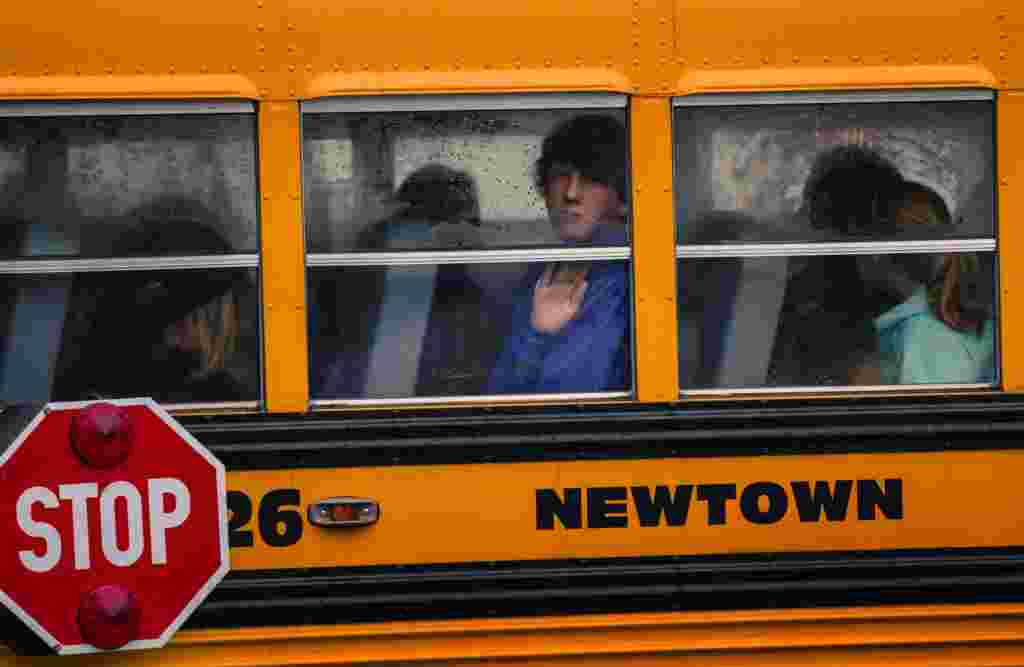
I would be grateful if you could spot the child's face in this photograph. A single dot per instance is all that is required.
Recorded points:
(577, 206)
(183, 335)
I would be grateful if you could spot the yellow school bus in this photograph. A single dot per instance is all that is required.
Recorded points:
(806, 449)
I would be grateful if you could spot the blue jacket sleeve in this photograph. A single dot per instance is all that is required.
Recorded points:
(588, 355)
(519, 365)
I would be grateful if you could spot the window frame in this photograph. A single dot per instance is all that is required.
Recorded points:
(578, 101)
(762, 249)
(61, 266)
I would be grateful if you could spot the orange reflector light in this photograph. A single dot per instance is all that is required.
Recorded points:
(343, 511)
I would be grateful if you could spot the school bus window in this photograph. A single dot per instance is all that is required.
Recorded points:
(128, 267)
(857, 230)
(467, 246)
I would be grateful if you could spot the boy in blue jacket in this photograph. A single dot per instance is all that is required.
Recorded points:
(570, 331)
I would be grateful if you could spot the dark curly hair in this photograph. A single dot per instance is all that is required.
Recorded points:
(851, 189)
(593, 144)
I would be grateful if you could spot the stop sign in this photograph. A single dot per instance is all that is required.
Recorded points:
(113, 525)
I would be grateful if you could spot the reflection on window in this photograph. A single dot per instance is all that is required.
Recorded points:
(410, 331)
(854, 298)
(177, 336)
(105, 199)
(815, 321)
(757, 160)
(355, 163)
(75, 181)
(467, 320)
(464, 330)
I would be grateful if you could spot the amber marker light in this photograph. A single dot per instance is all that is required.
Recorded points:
(102, 435)
(341, 512)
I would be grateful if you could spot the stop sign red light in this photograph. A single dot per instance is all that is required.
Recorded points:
(113, 521)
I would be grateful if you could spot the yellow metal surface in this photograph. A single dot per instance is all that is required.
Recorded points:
(489, 512)
(64, 41)
(656, 347)
(420, 36)
(1010, 171)
(133, 87)
(302, 48)
(720, 38)
(275, 51)
(769, 78)
(960, 635)
(468, 81)
(282, 267)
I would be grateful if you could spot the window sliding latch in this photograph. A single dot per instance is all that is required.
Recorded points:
(343, 512)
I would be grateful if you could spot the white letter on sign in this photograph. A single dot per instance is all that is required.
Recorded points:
(160, 521)
(108, 523)
(78, 494)
(50, 557)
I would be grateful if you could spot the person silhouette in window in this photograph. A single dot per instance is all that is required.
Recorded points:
(570, 328)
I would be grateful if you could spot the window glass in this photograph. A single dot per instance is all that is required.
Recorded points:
(128, 260)
(355, 165)
(467, 253)
(178, 336)
(76, 183)
(836, 244)
(460, 330)
(804, 321)
(756, 160)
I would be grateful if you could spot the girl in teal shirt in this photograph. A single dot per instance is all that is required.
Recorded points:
(942, 333)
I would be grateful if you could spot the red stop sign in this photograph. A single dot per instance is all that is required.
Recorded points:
(113, 525)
